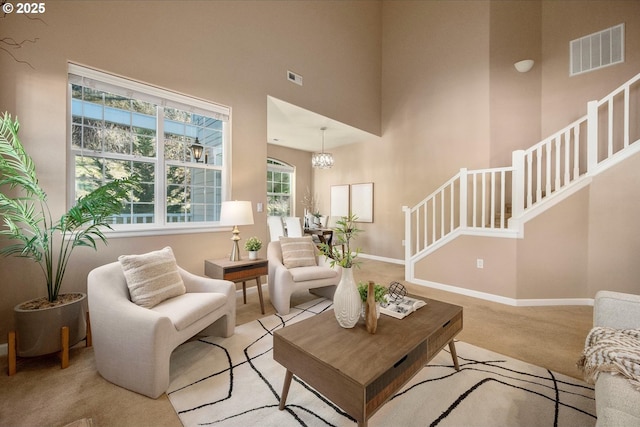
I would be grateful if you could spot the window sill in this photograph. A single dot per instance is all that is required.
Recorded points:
(128, 231)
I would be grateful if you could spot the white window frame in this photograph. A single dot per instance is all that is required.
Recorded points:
(162, 97)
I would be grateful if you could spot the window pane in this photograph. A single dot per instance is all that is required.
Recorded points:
(279, 177)
(194, 194)
(91, 172)
(88, 172)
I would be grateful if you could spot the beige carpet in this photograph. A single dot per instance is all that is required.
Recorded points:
(234, 382)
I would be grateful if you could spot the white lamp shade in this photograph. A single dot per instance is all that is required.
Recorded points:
(524, 65)
(236, 213)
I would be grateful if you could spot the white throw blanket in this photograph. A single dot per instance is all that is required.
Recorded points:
(612, 350)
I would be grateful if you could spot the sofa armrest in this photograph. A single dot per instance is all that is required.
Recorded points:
(195, 283)
(616, 310)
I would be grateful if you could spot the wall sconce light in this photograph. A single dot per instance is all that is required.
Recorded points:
(196, 150)
(524, 65)
(236, 213)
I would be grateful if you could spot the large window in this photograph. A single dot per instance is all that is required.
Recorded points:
(280, 180)
(175, 144)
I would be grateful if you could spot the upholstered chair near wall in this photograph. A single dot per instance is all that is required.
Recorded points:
(276, 227)
(295, 264)
(294, 226)
(143, 307)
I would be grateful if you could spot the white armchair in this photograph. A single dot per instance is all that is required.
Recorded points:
(284, 281)
(133, 344)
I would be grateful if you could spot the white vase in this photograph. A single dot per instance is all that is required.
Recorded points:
(253, 255)
(347, 304)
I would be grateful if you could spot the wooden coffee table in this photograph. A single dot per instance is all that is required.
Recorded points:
(359, 371)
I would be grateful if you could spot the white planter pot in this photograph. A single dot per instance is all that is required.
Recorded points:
(347, 304)
(38, 331)
(253, 254)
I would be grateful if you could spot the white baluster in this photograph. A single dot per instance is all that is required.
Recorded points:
(548, 170)
(557, 162)
(576, 151)
(567, 153)
(463, 198)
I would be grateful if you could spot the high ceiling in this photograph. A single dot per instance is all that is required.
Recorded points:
(294, 127)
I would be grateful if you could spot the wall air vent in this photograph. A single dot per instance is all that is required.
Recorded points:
(597, 50)
(295, 78)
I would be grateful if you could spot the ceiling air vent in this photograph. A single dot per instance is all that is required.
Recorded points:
(597, 50)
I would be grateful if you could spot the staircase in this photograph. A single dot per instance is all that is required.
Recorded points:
(499, 201)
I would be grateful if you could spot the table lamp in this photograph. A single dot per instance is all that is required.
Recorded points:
(236, 213)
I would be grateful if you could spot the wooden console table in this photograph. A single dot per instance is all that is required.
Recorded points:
(239, 271)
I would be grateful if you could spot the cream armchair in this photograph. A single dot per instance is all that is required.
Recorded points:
(284, 281)
(133, 344)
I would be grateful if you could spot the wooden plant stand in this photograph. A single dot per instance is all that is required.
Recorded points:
(12, 343)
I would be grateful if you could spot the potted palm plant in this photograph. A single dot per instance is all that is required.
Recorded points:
(34, 234)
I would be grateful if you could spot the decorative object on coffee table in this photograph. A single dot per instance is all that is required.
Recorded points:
(377, 292)
(347, 304)
(397, 291)
(371, 314)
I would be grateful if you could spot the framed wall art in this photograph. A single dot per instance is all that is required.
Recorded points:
(362, 201)
(339, 200)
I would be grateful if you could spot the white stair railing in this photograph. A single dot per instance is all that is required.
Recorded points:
(480, 201)
(548, 166)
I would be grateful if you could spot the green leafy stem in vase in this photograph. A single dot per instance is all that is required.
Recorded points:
(340, 253)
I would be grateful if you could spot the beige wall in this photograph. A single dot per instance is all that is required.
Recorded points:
(614, 245)
(232, 52)
(585, 243)
(435, 113)
(515, 34)
(552, 257)
(456, 265)
(564, 98)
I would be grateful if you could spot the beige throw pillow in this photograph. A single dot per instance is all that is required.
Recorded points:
(152, 277)
(298, 252)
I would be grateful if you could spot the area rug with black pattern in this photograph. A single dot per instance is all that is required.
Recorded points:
(235, 382)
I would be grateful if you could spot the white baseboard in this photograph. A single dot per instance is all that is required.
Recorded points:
(504, 300)
(555, 301)
(383, 259)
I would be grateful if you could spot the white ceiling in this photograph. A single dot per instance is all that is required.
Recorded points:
(295, 127)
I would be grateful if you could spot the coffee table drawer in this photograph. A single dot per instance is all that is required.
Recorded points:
(442, 337)
(379, 391)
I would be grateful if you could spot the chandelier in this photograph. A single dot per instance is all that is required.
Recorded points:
(322, 160)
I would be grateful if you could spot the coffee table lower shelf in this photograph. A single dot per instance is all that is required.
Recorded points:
(334, 360)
